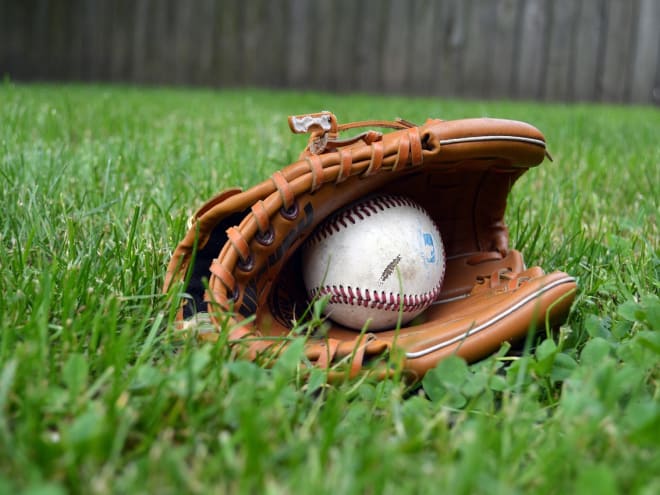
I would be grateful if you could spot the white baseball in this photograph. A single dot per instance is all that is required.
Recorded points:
(376, 258)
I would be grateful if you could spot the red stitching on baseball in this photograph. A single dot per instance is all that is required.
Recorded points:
(355, 296)
(359, 211)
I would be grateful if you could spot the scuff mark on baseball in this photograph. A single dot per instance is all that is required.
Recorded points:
(389, 269)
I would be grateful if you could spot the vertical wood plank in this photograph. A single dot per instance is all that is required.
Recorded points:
(270, 50)
(160, 49)
(344, 54)
(589, 27)
(229, 51)
(475, 74)
(395, 54)
(561, 49)
(532, 58)
(502, 66)
(77, 40)
(22, 40)
(39, 54)
(251, 39)
(55, 55)
(421, 43)
(86, 27)
(139, 59)
(185, 41)
(647, 53)
(656, 86)
(449, 47)
(320, 40)
(120, 41)
(5, 65)
(370, 29)
(18, 44)
(298, 47)
(97, 19)
(271, 54)
(614, 79)
(196, 47)
(205, 25)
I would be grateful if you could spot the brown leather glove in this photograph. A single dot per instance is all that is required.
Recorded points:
(239, 264)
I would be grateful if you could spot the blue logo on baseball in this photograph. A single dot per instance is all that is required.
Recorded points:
(429, 247)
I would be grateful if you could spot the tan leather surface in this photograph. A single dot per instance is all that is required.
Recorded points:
(461, 172)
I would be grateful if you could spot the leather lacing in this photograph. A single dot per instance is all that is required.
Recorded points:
(503, 278)
(335, 166)
(335, 163)
(325, 138)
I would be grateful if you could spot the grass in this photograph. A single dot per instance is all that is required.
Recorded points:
(97, 183)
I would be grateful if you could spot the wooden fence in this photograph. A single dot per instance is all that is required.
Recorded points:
(570, 50)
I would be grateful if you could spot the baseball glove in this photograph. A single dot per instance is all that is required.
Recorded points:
(239, 265)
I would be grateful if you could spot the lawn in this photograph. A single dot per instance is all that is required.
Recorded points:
(96, 397)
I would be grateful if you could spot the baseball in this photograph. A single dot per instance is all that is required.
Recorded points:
(377, 258)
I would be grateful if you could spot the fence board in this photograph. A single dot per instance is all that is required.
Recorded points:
(342, 47)
(185, 41)
(91, 50)
(614, 80)
(421, 46)
(118, 43)
(297, 43)
(647, 53)
(163, 41)
(50, 40)
(502, 64)
(590, 27)
(553, 49)
(561, 47)
(476, 67)
(206, 17)
(139, 40)
(83, 40)
(274, 47)
(203, 40)
(75, 43)
(532, 59)
(396, 49)
(253, 20)
(448, 47)
(4, 28)
(322, 33)
(229, 60)
(15, 42)
(371, 35)
(38, 52)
